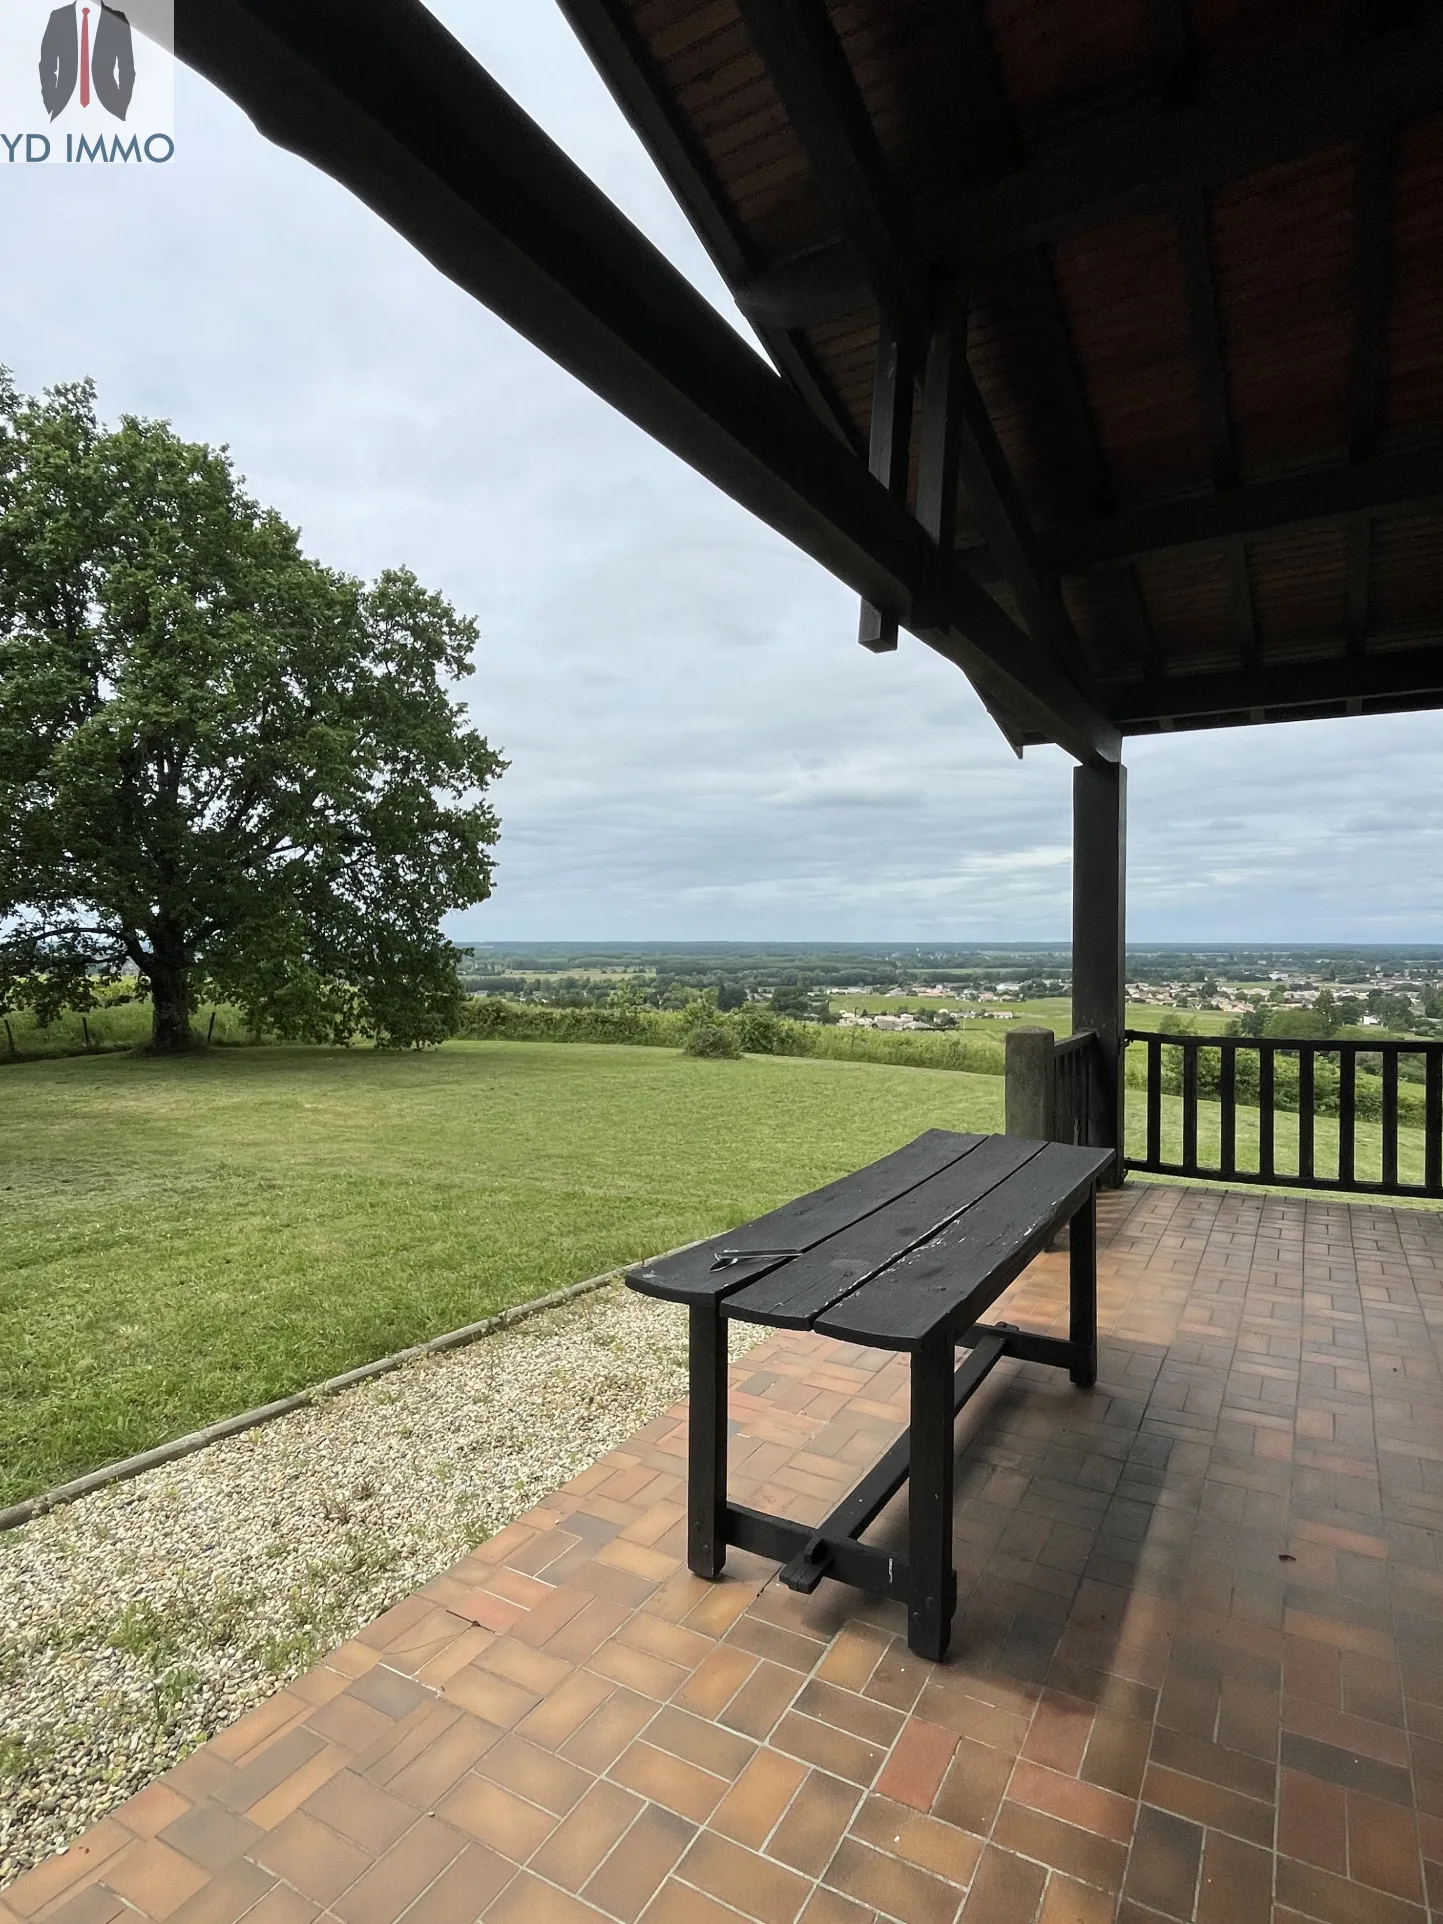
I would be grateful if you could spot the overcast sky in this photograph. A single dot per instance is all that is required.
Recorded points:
(699, 748)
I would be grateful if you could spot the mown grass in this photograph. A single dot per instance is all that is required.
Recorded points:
(186, 1239)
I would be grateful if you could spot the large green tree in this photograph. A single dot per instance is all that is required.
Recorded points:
(220, 762)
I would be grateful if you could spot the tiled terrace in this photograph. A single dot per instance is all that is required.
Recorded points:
(1197, 1670)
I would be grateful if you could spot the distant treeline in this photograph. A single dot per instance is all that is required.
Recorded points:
(590, 968)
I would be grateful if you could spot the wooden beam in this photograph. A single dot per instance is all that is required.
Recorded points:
(889, 459)
(939, 437)
(1394, 78)
(999, 513)
(1359, 581)
(940, 434)
(1009, 671)
(1393, 679)
(398, 112)
(1136, 618)
(1371, 286)
(809, 68)
(1205, 333)
(606, 30)
(1205, 336)
(807, 64)
(987, 118)
(1412, 479)
(1374, 193)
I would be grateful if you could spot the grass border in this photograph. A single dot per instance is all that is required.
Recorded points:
(132, 1466)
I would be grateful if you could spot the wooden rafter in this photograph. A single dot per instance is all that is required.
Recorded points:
(1371, 285)
(809, 68)
(606, 30)
(1396, 79)
(989, 137)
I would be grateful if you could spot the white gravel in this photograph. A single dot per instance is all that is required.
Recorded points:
(138, 1622)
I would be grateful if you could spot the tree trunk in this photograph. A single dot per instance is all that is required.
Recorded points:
(170, 1009)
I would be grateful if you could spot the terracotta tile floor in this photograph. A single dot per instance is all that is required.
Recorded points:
(1197, 1670)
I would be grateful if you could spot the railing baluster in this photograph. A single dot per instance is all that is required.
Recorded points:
(1306, 1173)
(1265, 1110)
(1433, 1120)
(1347, 1115)
(1189, 1108)
(1228, 1110)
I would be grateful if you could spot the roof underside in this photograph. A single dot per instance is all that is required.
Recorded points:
(1200, 252)
(1107, 334)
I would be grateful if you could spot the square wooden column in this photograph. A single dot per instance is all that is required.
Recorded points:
(1099, 933)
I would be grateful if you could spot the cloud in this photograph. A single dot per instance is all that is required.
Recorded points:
(699, 748)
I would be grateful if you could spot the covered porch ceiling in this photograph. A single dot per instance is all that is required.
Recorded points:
(1105, 336)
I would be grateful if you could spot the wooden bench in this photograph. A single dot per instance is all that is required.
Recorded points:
(906, 1254)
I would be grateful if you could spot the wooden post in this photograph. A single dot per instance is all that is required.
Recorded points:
(890, 446)
(1029, 1102)
(931, 1579)
(706, 1547)
(1099, 934)
(1082, 1291)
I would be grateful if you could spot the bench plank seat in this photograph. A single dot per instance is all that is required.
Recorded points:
(794, 1294)
(952, 1280)
(720, 1265)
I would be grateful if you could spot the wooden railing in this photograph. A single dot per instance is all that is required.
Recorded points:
(1056, 1091)
(1309, 1115)
(1077, 1111)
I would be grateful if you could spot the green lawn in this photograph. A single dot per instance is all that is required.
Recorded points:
(184, 1240)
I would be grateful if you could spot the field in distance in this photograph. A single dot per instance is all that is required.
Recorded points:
(1052, 1012)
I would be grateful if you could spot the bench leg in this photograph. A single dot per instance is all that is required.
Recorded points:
(706, 1495)
(1083, 1281)
(933, 1599)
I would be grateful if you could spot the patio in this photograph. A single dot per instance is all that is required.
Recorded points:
(1197, 1670)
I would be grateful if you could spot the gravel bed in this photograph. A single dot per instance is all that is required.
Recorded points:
(138, 1622)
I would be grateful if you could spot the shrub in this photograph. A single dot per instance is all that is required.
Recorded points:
(712, 1040)
(758, 1031)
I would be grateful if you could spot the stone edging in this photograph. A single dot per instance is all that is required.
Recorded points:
(132, 1466)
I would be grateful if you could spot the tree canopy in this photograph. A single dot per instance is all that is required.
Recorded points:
(221, 763)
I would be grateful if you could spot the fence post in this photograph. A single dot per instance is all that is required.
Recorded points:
(1031, 1082)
